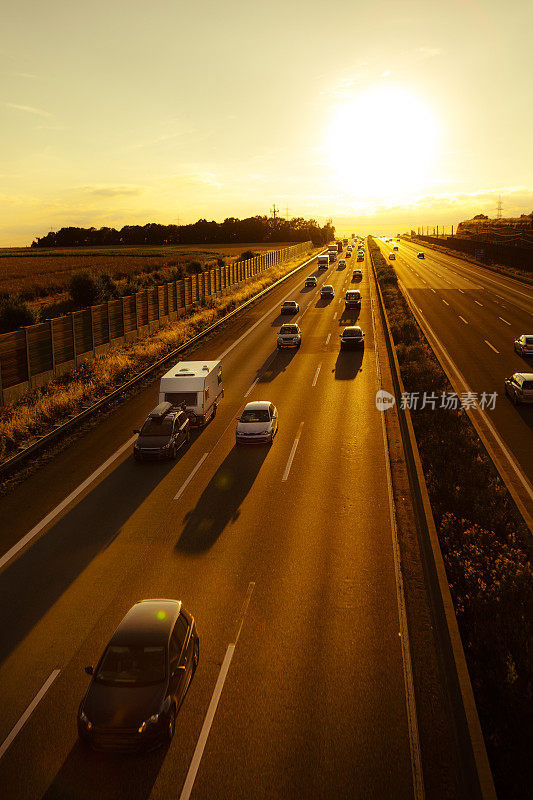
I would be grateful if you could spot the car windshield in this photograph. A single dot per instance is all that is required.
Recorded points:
(255, 415)
(290, 304)
(528, 340)
(132, 665)
(154, 427)
(288, 329)
(348, 334)
(528, 386)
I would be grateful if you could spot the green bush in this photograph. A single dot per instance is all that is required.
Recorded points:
(84, 289)
(246, 255)
(14, 314)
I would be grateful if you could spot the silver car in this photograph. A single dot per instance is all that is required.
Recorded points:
(519, 387)
(289, 336)
(524, 345)
(258, 423)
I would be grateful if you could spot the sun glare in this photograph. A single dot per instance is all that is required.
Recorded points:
(382, 143)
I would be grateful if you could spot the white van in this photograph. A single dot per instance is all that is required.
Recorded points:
(196, 386)
(323, 262)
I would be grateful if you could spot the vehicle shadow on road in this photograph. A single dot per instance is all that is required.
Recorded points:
(222, 498)
(86, 773)
(348, 364)
(281, 319)
(33, 583)
(349, 316)
(275, 364)
(322, 302)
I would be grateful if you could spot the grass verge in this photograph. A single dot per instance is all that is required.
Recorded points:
(41, 409)
(481, 536)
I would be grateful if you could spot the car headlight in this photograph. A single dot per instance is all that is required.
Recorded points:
(150, 721)
(85, 719)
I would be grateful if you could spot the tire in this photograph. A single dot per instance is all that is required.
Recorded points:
(188, 439)
(171, 724)
(271, 442)
(213, 415)
(195, 656)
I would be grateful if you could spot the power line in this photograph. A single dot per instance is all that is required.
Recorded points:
(274, 211)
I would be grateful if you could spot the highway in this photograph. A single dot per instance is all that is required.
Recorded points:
(284, 555)
(474, 315)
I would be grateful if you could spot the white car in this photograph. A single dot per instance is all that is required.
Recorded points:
(524, 345)
(289, 336)
(519, 387)
(258, 423)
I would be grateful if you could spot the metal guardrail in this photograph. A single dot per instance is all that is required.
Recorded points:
(16, 460)
(472, 755)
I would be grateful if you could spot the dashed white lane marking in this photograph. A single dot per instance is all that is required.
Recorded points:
(209, 717)
(251, 387)
(479, 304)
(504, 320)
(460, 290)
(491, 346)
(432, 290)
(64, 503)
(316, 375)
(191, 476)
(335, 315)
(293, 451)
(328, 337)
(445, 301)
(15, 730)
(463, 319)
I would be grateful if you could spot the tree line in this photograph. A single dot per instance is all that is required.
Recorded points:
(253, 229)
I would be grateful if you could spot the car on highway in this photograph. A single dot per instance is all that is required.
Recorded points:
(141, 680)
(395, 247)
(348, 254)
(392, 256)
(165, 430)
(420, 254)
(289, 336)
(310, 281)
(524, 345)
(519, 387)
(342, 263)
(357, 275)
(290, 307)
(360, 256)
(352, 299)
(323, 262)
(327, 292)
(352, 338)
(258, 423)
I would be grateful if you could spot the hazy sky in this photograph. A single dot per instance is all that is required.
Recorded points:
(381, 114)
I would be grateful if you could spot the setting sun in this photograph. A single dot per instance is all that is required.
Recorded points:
(383, 143)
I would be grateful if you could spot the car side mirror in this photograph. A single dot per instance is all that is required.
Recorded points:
(136, 430)
(177, 670)
(238, 419)
(89, 670)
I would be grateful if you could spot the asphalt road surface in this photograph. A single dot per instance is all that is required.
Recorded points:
(283, 554)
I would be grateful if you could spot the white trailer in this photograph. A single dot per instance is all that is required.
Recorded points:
(196, 386)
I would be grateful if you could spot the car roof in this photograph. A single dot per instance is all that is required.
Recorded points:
(149, 622)
(352, 328)
(289, 302)
(257, 405)
(526, 376)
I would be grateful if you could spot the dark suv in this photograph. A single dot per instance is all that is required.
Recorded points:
(166, 429)
(141, 679)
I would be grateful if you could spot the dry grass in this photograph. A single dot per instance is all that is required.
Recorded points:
(38, 410)
(46, 271)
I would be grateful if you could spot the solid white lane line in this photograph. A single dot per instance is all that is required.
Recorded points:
(444, 301)
(479, 304)
(64, 503)
(209, 717)
(191, 476)
(410, 699)
(463, 319)
(328, 337)
(504, 320)
(335, 315)
(251, 387)
(29, 711)
(293, 451)
(491, 346)
(316, 375)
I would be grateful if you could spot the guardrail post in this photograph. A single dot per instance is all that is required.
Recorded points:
(28, 356)
(51, 323)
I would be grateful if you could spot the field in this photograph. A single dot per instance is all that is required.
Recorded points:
(44, 272)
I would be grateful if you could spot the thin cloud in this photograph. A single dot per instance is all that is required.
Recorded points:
(112, 191)
(29, 109)
(428, 52)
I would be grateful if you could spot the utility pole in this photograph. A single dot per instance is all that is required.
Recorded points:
(437, 231)
(499, 207)
(287, 213)
(274, 210)
(452, 230)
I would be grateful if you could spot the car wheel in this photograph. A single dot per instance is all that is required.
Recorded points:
(195, 656)
(171, 724)
(213, 415)
(271, 442)
(188, 438)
